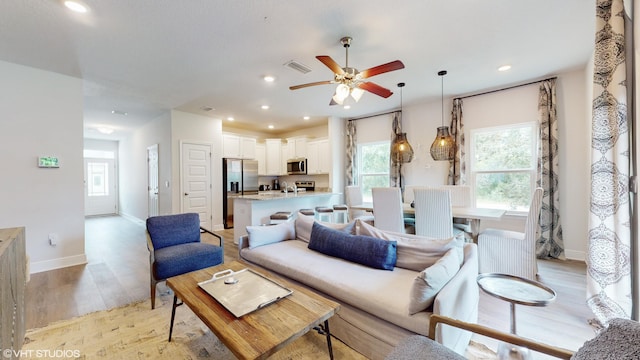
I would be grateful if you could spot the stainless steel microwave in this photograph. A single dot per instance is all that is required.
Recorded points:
(297, 166)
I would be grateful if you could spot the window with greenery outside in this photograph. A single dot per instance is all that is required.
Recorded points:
(504, 166)
(373, 166)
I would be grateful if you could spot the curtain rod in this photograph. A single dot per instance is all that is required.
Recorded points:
(370, 116)
(507, 88)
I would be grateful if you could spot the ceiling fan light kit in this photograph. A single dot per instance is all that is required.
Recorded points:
(444, 146)
(350, 81)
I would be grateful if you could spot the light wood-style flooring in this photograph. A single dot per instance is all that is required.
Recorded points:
(117, 273)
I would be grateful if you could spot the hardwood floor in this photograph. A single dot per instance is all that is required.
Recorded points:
(117, 273)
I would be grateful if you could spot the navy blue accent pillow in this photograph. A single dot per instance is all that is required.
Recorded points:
(365, 250)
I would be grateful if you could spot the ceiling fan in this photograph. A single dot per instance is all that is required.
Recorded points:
(351, 81)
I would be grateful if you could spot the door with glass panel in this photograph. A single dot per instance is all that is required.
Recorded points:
(100, 187)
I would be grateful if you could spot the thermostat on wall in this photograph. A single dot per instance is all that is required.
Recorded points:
(48, 162)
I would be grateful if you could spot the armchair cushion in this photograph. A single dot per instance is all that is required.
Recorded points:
(365, 250)
(170, 230)
(179, 259)
(618, 341)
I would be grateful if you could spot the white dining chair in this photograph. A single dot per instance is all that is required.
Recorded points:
(387, 209)
(433, 212)
(353, 196)
(460, 197)
(511, 252)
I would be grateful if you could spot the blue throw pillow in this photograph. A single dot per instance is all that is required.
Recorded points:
(365, 250)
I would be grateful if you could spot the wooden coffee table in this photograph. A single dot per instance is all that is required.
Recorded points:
(263, 332)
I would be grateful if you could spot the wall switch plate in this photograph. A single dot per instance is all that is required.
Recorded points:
(53, 239)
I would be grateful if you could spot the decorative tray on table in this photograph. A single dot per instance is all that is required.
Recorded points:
(244, 291)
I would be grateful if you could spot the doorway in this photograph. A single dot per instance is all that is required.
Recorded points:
(195, 184)
(100, 186)
(152, 176)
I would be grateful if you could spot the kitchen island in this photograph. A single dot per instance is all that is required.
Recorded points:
(256, 209)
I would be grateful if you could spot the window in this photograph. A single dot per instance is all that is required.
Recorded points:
(503, 166)
(373, 167)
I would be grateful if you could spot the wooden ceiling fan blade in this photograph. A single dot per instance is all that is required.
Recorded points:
(381, 69)
(296, 87)
(376, 89)
(331, 64)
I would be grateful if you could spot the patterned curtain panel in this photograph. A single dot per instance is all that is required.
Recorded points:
(549, 243)
(457, 167)
(609, 256)
(394, 169)
(351, 170)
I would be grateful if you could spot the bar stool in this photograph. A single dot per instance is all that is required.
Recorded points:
(340, 212)
(280, 217)
(307, 212)
(324, 213)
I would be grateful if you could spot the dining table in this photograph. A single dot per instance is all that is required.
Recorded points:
(473, 214)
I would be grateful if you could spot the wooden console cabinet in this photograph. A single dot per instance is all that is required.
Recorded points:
(12, 288)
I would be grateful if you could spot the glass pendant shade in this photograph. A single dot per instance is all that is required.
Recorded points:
(444, 146)
(401, 150)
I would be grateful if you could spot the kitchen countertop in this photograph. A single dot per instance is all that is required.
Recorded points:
(277, 195)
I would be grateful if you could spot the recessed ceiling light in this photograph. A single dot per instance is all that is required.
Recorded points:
(269, 78)
(306, 118)
(270, 126)
(76, 6)
(347, 107)
(230, 118)
(504, 68)
(118, 112)
(265, 107)
(105, 130)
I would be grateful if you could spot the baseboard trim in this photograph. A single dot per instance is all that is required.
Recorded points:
(59, 263)
(575, 255)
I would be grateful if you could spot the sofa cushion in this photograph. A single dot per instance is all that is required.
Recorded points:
(365, 250)
(429, 281)
(262, 235)
(373, 291)
(414, 252)
(304, 224)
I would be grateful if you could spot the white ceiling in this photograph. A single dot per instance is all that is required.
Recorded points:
(145, 57)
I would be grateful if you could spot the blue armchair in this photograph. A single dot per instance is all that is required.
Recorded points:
(175, 248)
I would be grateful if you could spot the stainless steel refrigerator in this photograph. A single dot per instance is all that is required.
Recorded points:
(239, 177)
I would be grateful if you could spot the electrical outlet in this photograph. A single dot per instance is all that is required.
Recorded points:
(53, 239)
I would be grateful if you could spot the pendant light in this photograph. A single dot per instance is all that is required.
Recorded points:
(401, 150)
(444, 146)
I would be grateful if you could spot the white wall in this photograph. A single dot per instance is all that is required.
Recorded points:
(420, 122)
(42, 116)
(133, 169)
(186, 127)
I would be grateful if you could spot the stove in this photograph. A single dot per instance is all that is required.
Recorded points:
(308, 185)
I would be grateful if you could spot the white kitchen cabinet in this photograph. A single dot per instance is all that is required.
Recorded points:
(247, 148)
(318, 157)
(286, 155)
(240, 147)
(261, 156)
(273, 155)
(297, 147)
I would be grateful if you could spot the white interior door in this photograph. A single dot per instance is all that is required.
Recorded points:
(152, 163)
(196, 181)
(100, 187)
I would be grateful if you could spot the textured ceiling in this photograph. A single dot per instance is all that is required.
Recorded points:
(145, 57)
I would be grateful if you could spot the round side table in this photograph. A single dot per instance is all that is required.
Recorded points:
(515, 290)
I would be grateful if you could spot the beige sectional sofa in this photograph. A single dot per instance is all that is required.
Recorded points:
(375, 315)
